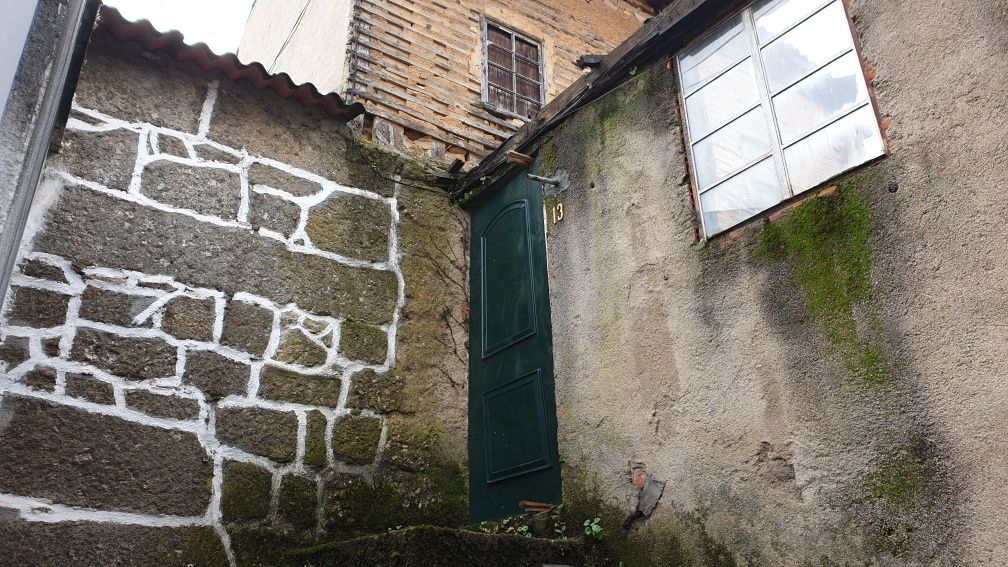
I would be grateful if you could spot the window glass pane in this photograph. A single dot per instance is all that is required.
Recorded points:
(774, 16)
(836, 89)
(808, 46)
(747, 194)
(714, 54)
(842, 145)
(499, 37)
(721, 100)
(730, 148)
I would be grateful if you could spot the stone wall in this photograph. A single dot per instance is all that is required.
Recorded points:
(868, 431)
(227, 334)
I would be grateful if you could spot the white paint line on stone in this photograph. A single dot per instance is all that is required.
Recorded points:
(246, 201)
(140, 199)
(302, 437)
(45, 511)
(106, 410)
(214, 514)
(206, 114)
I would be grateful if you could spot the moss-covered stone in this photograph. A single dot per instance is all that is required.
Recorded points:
(261, 174)
(132, 358)
(826, 240)
(315, 441)
(297, 502)
(355, 439)
(189, 318)
(382, 393)
(432, 546)
(247, 327)
(273, 213)
(285, 385)
(215, 375)
(297, 348)
(272, 434)
(245, 492)
(353, 506)
(106, 306)
(256, 546)
(352, 226)
(367, 343)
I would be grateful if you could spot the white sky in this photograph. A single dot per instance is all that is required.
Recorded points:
(218, 23)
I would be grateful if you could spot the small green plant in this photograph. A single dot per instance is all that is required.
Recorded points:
(559, 525)
(519, 530)
(594, 529)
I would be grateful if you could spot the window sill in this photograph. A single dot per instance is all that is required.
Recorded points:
(500, 113)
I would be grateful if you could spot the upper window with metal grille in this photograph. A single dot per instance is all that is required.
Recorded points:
(776, 103)
(513, 72)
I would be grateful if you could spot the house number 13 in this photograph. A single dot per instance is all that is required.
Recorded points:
(558, 213)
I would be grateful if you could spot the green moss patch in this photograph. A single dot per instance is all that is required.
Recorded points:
(427, 546)
(826, 240)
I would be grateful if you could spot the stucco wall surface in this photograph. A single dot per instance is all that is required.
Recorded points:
(227, 336)
(826, 389)
(311, 46)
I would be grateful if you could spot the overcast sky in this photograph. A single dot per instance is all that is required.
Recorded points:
(218, 23)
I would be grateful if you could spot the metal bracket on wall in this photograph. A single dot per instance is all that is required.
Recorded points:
(553, 186)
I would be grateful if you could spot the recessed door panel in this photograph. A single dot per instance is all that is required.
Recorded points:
(507, 288)
(515, 425)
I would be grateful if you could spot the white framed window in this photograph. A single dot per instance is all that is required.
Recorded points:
(776, 103)
(512, 71)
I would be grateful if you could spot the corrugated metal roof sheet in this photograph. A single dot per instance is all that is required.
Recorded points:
(228, 65)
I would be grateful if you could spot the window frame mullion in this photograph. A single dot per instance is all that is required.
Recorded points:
(766, 101)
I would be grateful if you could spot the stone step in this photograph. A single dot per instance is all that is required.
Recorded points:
(426, 546)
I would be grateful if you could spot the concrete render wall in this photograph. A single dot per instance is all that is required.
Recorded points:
(718, 371)
(312, 50)
(227, 336)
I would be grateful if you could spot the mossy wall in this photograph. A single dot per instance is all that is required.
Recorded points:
(799, 383)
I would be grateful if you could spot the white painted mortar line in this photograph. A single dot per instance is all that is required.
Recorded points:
(214, 513)
(206, 113)
(44, 511)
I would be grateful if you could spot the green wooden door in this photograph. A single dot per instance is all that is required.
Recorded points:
(512, 405)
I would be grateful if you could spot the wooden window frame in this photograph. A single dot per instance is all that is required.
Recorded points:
(485, 23)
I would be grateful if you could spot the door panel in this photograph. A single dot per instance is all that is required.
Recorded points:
(506, 279)
(512, 405)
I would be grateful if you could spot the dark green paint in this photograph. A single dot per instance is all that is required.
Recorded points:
(512, 405)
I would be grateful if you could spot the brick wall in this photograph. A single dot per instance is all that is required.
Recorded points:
(205, 341)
